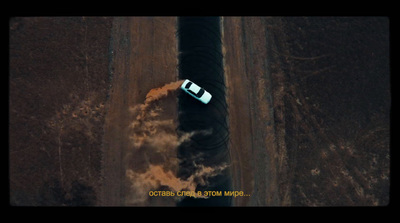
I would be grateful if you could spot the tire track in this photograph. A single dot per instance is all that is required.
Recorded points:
(201, 60)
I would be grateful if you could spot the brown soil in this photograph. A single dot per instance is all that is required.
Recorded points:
(59, 84)
(144, 57)
(257, 148)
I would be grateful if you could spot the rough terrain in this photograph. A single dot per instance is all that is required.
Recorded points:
(58, 88)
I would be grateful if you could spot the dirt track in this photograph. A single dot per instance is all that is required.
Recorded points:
(258, 157)
(144, 57)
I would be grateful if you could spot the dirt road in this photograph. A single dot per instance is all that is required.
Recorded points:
(257, 158)
(144, 56)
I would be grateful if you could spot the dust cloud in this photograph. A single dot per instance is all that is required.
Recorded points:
(152, 161)
(156, 94)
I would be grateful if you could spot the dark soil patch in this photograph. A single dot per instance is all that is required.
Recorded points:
(58, 82)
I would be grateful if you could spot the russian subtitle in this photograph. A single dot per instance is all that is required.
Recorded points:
(198, 194)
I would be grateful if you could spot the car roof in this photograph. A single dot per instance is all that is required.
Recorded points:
(194, 87)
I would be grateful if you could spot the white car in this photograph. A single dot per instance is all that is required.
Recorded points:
(196, 91)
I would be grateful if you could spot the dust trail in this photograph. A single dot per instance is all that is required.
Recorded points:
(156, 94)
(152, 161)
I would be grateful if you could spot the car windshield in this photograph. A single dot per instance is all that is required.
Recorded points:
(188, 85)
